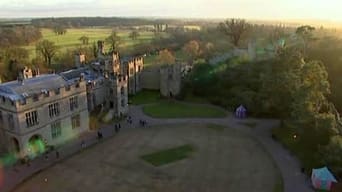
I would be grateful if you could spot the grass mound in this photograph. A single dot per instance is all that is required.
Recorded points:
(171, 109)
(169, 155)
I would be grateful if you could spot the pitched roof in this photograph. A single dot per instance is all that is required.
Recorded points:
(16, 90)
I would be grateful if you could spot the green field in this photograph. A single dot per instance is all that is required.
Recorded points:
(71, 39)
(145, 97)
(169, 155)
(172, 109)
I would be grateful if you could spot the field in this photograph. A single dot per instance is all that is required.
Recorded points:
(227, 160)
(172, 109)
(71, 39)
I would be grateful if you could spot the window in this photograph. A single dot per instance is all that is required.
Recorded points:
(56, 130)
(77, 85)
(73, 103)
(131, 71)
(122, 90)
(76, 122)
(54, 109)
(10, 121)
(31, 118)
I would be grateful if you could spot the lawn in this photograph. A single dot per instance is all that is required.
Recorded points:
(145, 97)
(70, 39)
(173, 109)
(169, 155)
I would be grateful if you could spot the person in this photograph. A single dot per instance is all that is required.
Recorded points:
(119, 126)
(83, 144)
(57, 155)
(99, 135)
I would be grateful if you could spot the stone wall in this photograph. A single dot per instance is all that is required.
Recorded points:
(150, 78)
(170, 80)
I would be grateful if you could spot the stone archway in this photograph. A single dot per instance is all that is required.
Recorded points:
(36, 145)
(15, 145)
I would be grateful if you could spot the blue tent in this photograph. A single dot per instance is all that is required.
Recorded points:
(322, 178)
(241, 112)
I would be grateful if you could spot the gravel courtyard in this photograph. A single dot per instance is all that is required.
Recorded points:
(224, 160)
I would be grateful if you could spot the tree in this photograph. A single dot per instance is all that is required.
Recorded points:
(47, 49)
(306, 33)
(59, 30)
(84, 39)
(166, 57)
(13, 59)
(235, 29)
(134, 35)
(192, 50)
(114, 40)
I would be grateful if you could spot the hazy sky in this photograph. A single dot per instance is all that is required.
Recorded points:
(258, 9)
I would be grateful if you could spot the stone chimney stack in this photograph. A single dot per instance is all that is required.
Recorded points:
(100, 47)
(79, 59)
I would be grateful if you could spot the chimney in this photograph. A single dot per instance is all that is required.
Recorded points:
(100, 47)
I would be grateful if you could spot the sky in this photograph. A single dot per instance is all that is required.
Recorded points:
(249, 9)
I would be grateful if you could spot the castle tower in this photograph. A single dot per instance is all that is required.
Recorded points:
(79, 59)
(100, 47)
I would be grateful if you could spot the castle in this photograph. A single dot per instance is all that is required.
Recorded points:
(39, 111)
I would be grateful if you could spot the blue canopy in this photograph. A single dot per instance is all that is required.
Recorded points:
(324, 174)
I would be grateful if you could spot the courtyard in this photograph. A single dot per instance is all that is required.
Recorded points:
(223, 159)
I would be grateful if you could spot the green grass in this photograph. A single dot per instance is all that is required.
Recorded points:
(172, 109)
(145, 97)
(215, 127)
(70, 39)
(169, 155)
(306, 155)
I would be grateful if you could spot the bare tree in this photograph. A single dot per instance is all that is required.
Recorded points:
(166, 57)
(134, 35)
(114, 40)
(234, 28)
(306, 33)
(47, 49)
(84, 39)
(192, 50)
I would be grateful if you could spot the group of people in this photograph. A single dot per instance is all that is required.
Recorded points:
(117, 127)
(143, 123)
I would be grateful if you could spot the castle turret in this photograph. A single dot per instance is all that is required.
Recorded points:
(100, 47)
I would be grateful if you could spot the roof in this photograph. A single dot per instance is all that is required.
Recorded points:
(76, 74)
(324, 174)
(16, 90)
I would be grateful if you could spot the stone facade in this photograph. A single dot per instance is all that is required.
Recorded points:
(132, 67)
(46, 109)
(171, 78)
